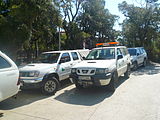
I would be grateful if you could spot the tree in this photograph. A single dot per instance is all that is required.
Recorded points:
(95, 20)
(71, 9)
(140, 28)
(31, 22)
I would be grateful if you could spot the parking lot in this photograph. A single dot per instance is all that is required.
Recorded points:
(137, 98)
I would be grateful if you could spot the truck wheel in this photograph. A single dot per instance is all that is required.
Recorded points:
(135, 65)
(50, 86)
(127, 73)
(144, 62)
(114, 80)
(78, 86)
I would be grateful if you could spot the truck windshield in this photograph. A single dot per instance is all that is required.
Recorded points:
(48, 58)
(101, 54)
(132, 52)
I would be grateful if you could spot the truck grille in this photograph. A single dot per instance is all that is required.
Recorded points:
(85, 71)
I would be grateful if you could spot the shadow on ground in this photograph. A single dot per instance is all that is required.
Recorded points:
(23, 98)
(26, 97)
(150, 69)
(87, 96)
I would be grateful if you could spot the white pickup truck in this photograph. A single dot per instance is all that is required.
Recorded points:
(49, 69)
(9, 77)
(102, 67)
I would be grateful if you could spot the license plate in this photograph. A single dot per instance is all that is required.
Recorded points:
(84, 77)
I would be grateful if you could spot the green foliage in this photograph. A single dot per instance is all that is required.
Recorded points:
(32, 25)
(34, 21)
(97, 21)
(141, 26)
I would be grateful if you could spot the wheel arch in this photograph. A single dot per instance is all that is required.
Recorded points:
(48, 75)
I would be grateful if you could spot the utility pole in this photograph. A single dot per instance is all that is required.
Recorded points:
(59, 37)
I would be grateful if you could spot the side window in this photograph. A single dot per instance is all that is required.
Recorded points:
(4, 63)
(119, 52)
(138, 52)
(74, 55)
(123, 51)
(126, 51)
(65, 58)
(141, 51)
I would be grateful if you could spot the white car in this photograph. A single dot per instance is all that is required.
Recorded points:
(9, 77)
(48, 70)
(102, 67)
(138, 57)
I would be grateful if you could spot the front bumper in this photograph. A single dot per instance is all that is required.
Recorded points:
(95, 80)
(27, 83)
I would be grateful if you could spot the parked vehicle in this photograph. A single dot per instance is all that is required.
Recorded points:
(102, 67)
(48, 70)
(9, 77)
(138, 57)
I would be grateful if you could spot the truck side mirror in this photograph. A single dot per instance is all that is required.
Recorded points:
(83, 58)
(119, 57)
(61, 61)
(138, 54)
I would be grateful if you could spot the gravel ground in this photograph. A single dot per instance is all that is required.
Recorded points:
(137, 98)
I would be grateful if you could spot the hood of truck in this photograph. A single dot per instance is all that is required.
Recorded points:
(38, 67)
(96, 64)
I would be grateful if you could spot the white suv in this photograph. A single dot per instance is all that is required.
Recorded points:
(48, 70)
(138, 57)
(102, 67)
(9, 75)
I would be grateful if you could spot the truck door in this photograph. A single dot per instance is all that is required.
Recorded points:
(75, 57)
(120, 62)
(139, 57)
(8, 79)
(64, 67)
(125, 59)
(142, 55)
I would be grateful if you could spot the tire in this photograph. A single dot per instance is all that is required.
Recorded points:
(135, 65)
(50, 86)
(112, 85)
(127, 73)
(144, 62)
(78, 86)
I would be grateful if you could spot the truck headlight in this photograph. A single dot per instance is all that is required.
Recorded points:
(102, 70)
(73, 70)
(33, 74)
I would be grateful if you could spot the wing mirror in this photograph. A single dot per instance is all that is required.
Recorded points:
(83, 58)
(120, 57)
(61, 61)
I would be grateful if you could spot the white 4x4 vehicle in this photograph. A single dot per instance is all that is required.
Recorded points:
(138, 57)
(48, 70)
(9, 75)
(102, 67)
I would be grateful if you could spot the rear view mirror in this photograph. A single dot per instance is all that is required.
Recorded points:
(120, 57)
(138, 54)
